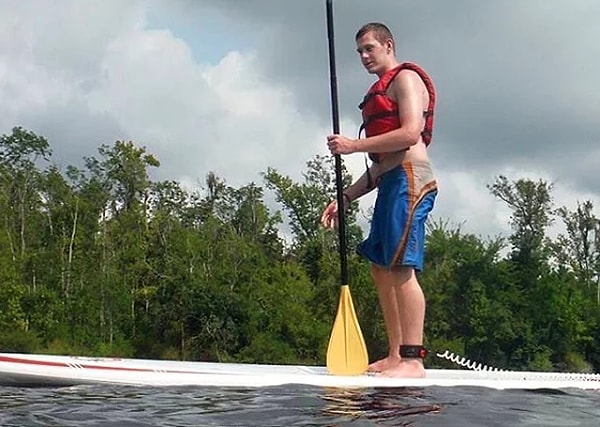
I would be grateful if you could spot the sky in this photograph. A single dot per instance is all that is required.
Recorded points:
(236, 86)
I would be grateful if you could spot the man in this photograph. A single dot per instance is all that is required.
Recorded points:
(398, 120)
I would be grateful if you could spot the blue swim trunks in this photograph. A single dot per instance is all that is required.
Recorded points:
(406, 195)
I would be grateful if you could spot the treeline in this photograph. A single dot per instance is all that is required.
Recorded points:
(101, 260)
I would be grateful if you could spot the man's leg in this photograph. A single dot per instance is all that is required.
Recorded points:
(411, 312)
(386, 292)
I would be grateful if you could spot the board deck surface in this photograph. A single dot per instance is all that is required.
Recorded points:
(51, 370)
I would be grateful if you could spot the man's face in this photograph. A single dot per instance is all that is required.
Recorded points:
(373, 54)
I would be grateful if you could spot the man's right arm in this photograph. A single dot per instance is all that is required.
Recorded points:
(360, 186)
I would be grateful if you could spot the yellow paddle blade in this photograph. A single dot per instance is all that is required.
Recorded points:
(347, 352)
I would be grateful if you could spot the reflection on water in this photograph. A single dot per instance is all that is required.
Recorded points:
(395, 404)
(293, 406)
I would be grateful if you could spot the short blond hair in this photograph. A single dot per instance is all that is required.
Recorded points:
(381, 32)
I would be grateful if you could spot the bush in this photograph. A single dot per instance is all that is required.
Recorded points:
(19, 341)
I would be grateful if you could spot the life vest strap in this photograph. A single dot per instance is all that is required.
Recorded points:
(370, 95)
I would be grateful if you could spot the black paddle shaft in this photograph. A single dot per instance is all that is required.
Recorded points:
(336, 129)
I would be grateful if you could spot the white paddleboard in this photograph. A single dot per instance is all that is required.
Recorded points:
(41, 370)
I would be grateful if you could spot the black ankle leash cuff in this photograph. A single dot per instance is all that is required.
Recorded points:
(413, 351)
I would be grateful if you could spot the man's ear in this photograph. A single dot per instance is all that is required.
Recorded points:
(389, 44)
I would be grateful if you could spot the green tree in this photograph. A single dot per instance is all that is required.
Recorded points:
(579, 249)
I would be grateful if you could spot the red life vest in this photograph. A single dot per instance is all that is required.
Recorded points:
(380, 112)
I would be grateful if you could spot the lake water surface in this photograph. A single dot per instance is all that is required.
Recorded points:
(295, 406)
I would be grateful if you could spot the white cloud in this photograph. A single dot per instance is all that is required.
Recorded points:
(464, 200)
(226, 118)
(82, 76)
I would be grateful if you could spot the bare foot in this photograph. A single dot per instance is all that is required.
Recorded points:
(384, 364)
(407, 368)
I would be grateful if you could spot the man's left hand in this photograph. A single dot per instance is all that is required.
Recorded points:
(339, 144)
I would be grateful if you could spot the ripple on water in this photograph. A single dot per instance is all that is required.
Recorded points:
(294, 406)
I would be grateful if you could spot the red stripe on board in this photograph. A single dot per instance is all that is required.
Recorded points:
(10, 359)
(49, 363)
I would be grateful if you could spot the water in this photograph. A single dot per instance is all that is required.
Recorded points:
(294, 406)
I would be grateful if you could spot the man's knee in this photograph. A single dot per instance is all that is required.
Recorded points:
(381, 275)
(397, 275)
(403, 274)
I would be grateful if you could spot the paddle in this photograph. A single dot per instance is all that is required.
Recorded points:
(347, 352)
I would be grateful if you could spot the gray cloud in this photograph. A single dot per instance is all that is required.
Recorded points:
(517, 82)
(77, 137)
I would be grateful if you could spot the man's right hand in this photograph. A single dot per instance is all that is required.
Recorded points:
(329, 218)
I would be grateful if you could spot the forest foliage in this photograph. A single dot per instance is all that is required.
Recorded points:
(102, 260)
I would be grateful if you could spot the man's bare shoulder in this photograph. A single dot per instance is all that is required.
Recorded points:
(407, 84)
(408, 79)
